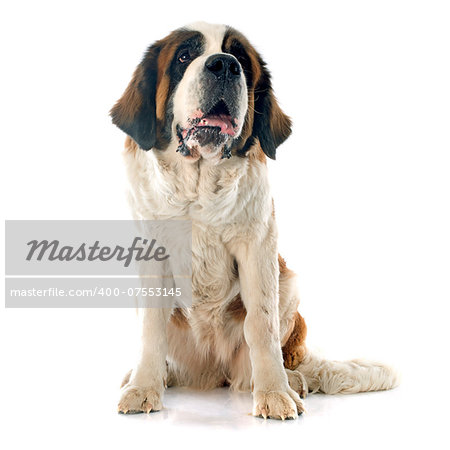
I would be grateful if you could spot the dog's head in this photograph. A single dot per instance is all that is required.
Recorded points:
(207, 92)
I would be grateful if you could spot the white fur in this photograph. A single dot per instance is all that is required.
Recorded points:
(347, 377)
(214, 34)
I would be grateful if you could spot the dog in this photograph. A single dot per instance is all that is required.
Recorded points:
(201, 120)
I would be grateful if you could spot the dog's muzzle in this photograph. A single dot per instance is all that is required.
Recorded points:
(215, 124)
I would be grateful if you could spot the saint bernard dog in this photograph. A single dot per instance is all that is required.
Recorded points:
(201, 119)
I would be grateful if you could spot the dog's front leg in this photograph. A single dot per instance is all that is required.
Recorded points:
(258, 276)
(144, 390)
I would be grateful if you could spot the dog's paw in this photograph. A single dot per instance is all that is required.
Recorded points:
(297, 382)
(277, 404)
(137, 399)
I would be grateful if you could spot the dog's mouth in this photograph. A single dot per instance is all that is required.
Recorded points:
(210, 131)
(218, 117)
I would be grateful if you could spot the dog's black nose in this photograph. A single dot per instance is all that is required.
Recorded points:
(223, 66)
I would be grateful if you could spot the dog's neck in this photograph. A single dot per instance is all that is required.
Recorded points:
(164, 184)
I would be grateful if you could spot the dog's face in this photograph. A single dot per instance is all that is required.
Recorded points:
(205, 91)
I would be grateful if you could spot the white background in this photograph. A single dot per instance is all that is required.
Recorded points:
(362, 200)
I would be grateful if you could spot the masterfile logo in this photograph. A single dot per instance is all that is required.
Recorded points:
(98, 263)
(54, 251)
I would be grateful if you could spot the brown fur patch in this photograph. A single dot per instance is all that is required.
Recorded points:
(163, 83)
(179, 319)
(161, 97)
(168, 47)
(130, 145)
(126, 107)
(256, 153)
(280, 123)
(285, 272)
(236, 309)
(294, 349)
(282, 264)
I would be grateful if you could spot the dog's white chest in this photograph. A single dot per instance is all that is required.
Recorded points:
(232, 192)
(224, 202)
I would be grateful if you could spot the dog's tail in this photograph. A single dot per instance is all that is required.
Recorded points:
(346, 377)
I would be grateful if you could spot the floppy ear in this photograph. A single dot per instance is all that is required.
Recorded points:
(135, 112)
(270, 124)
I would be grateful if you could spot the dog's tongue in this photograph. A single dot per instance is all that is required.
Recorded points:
(221, 121)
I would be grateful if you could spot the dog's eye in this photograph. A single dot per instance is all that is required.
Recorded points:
(184, 56)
